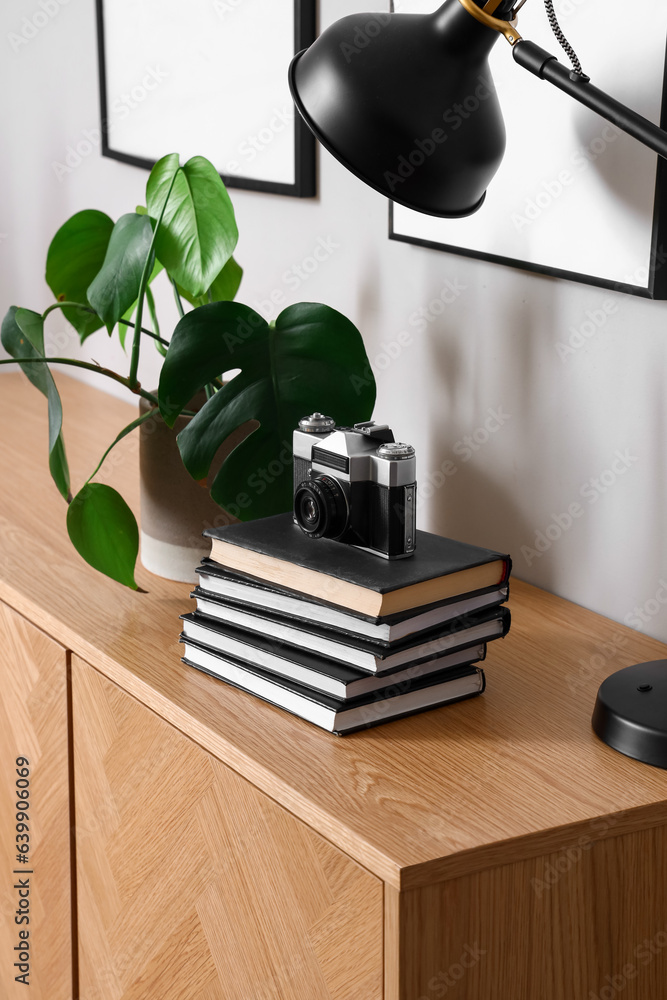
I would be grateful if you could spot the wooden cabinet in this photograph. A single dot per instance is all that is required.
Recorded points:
(36, 912)
(225, 850)
(191, 883)
(584, 922)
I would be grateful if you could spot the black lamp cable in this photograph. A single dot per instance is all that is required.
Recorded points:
(562, 40)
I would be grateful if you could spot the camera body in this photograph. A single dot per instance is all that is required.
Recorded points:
(355, 485)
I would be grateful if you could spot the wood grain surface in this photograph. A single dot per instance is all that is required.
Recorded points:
(33, 724)
(506, 777)
(192, 884)
(583, 923)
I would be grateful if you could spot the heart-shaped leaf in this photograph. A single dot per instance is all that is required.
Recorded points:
(313, 358)
(116, 287)
(223, 289)
(74, 257)
(198, 233)
(228, 282)
(23, 337)
(104, 532)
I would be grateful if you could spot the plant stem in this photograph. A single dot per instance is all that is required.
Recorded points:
(125, 322)
(148, 267)
(127, 430)
(89, 367)
(160, 344)
(67, 305)
(149, 333)
(150, 301)
(179, 304)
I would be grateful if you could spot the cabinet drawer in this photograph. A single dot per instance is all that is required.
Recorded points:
(192, 883)
(33, 725)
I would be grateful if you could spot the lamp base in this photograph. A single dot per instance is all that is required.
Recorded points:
(631, 712)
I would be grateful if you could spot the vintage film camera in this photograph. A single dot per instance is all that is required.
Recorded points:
(355, 485)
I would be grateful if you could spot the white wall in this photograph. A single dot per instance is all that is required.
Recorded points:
(493, 348)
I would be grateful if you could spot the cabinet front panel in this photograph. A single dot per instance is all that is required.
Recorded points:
(193, 885)
(585, 923)
(35, 893)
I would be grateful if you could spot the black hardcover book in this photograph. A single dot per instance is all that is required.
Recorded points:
(276, 550)
(332, 714)
(308, 669)
(364, 654)
(215, 580)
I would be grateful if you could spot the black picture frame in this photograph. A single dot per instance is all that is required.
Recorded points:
(305, 184)
(657, 283)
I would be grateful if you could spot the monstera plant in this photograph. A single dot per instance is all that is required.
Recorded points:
(101, 273)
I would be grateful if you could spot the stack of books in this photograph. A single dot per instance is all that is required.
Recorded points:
(340, 636)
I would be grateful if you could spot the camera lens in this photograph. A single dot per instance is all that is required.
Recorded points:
(320, 507)
(309, 511)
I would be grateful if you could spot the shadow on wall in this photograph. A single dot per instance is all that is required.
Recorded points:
(475, 499)
(649, 526)
(368, 305)
(625, 162)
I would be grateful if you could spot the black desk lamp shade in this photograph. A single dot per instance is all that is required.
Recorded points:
(407, 103)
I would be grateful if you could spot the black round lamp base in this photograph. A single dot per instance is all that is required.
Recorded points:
(631, 712)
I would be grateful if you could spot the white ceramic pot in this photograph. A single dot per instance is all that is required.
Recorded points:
(175, 509)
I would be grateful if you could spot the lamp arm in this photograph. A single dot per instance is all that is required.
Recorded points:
(545, 66)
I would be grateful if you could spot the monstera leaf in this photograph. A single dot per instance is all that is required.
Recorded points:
(227, 283)
(311, 358)
(198, 233)
(75, 256)
(23, 337)
(104, 531)
(115, 288)
(223, 288)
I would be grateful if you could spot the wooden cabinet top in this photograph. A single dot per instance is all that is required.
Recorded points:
(512, 774)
